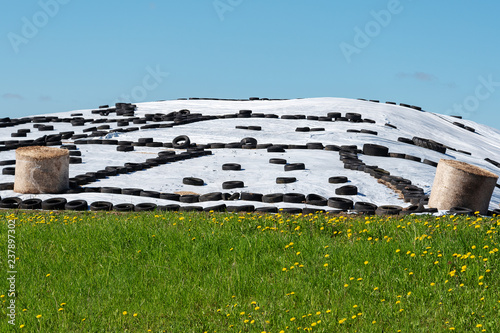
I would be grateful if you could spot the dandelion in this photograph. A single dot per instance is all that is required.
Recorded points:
(479, 325)
(376, 288)
(318, 313)
(366, 262)
(135, 314)
(124, 313)
(47, 275)
(346, 285)
(325, 265)
(433, 284)
(327, 255)
(21, 326)
(60, 309)
(374, 322)
(257, 308)
(298, 253)
(38, 316)
(292, 319)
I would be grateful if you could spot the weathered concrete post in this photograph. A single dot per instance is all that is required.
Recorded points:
(41, 169)
(458, 184)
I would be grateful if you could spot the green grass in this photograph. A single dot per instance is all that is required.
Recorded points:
(192, 272)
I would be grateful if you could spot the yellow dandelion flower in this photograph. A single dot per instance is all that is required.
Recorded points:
(21, 326)
(135, 314)
(60, 309)
(374, 322)
(124, 313)
(346, 285)
(63, 304)
(38, 316)
(47, 275)
(328, 311)
(366, 262)
(257, 308)
(325, 265)
(292, 319)
(432, 284)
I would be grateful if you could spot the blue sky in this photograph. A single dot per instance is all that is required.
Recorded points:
(61, 55)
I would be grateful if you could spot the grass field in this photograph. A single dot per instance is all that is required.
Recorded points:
(211, 272)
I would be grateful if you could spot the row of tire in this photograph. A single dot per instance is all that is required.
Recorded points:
(418, 108)
(163, 157)
(349, 156)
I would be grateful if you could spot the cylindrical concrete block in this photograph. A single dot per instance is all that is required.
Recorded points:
(463, 185)
(41, 169)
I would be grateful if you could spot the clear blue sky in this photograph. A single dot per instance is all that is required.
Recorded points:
(61, 55)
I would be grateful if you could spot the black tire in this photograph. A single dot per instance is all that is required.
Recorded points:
(169, 208)
(340, 203)
(294, 198)
(275, 149)
(368, 132)
(338, 180)
(111, 190)
(189, 198)
(388, 210)
(332, 148)
(233, 184)
(365, 206)
(316, 200)
(132, 191)
(54, 204)
(76, 205)
(242, 208)
(406, 140)
(302, 129)
(170, 196)
(145, 207)
(101, 206)
(272, 198)
(214, 196)
(277, 161)
(413, 158)
(375, 150)
(231, 166)
(295, 166)
(249, 141)
(265, 209)
(285, 180)
(9, 171)
(353, 116)
(10, 203)
(431, 163)
(193, 181)
(314, 145)
(291, 210)
(347, 190)
(181, 142)
(124, 148)
(397, 155)
(75, 160)
(31, 204)
(124, 207)
(150, 194)
(251, 196)
(6, 186)
(216, 208)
